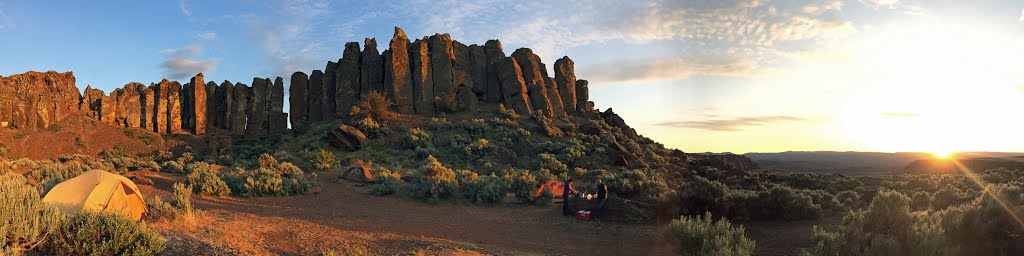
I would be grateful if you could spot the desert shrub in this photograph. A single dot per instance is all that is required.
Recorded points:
(271, 178)
(433, 182)
(172, 167)
(376, 105)
(324, 160)
(105, 233)
(386, 183)
(371, 127)
(179, 210)
(507, 112)
(521, 183)
(551, 163)
(920, 201)
(4, 151)
(25, 222)
(782, 202)
(206, 182)
(849, 199)
(196, 167)
(487, 189)
(477, 148)
(988, 225)
(827, 201)
(702, 235)
(700, 195)
(886, 227)
(946, 197)
(145, 137)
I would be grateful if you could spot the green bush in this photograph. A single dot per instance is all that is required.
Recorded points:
(206, 182)
(417, 138)
(489, 189)
(371, 127)
(271, 178)
(920, 201)
(324, 160)
(507, 112)
(25, 222)
(376, 105)
(782, 202)
(105, 233)
(172, 167)
(521, 183)
(433, 182)
(386, 183)
(551, 163)
(704, 236)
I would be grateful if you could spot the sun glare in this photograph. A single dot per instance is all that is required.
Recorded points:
(942, 154)
(922, 103)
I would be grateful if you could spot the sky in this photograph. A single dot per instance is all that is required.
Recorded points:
(702, 76)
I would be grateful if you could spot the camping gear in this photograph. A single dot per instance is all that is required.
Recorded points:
(583, 215)
(555, 188)
(98, 190)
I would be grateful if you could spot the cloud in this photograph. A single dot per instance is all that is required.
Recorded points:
(180, 65)
(1021, 14)
(209, 35)
(671, 68)
(183, 5)
(877, 4)
(4, 23)
(894, 115)
(746, 32)
(729, 125)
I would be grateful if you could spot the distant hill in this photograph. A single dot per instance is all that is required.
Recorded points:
(852, 163)
(961, 163)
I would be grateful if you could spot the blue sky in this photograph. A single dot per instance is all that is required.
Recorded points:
(736, 75)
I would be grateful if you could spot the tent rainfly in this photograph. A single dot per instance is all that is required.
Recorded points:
(98, 190)
(555, 188)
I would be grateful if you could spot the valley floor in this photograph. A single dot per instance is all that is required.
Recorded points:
(342, 219)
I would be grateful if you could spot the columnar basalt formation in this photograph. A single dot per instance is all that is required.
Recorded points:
(371, 76)
(428, 76)
(397, 80)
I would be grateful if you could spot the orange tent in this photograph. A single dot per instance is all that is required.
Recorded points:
(555, 188)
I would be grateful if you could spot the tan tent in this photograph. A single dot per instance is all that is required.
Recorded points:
(98, 190)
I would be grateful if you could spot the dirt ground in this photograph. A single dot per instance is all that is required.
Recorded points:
(342, 219)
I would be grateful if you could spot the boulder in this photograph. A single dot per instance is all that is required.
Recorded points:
(441, 57)
(565, 81)
(347, 138)
(422, 78)
(298, 91)
(358, 174)
(494, 60)
(316, 96)
(347, 78)
(239, 105)
(278, 120)
(513, 88)
(534, 77)
(371, 69)
(397, 77)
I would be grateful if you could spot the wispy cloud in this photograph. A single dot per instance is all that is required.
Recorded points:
(179, 63)
(209, 35)
(185, 9)
(729, 125)
(890, 4)
(3, 17)
(671, 68)
(747, 33)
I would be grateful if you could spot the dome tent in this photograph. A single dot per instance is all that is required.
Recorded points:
(98, 190)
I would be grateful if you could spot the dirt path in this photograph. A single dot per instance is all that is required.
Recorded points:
(345, 209)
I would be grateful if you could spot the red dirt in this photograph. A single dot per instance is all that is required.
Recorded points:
(74, 135)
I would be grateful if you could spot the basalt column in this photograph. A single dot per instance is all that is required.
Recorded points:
(195, 105)
(371, 70)
(397, 80)
(297, 99)
(422, 78)
(278, 119)
(239, 106)
(565, 79)
(534, 78)
(441, 56)
(347, 77)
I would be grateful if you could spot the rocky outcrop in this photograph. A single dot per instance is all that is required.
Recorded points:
(297, 102)
(428, 76)
(422, 78)
(194, 105)
(347, 78)
(371, 69)
(347, 138)
(316, 96)
(397, 77)
(615, 120)
(534, 75)
(441, 56)
(239, 108)
(513, 88)
(495, 58)
(565, 81)
(33, 101)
